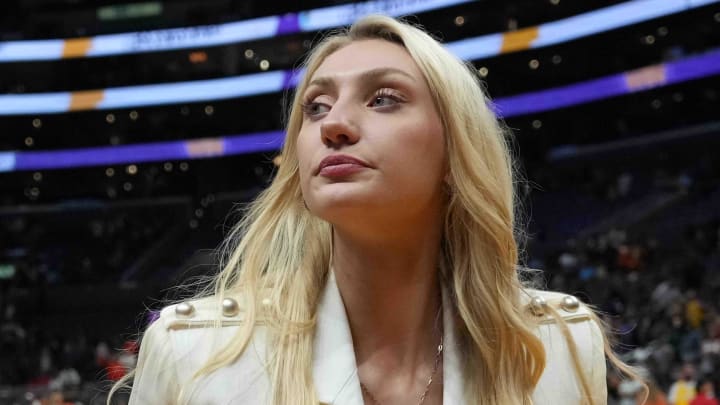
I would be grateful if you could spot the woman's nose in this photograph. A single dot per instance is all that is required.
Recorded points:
(338, 130)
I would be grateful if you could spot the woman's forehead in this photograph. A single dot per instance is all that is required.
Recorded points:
(362, 56)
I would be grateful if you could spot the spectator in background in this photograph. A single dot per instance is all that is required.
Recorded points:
(655, 396)
(114, 369)
(694, 313)
(55, 398)
(629, 390)
(706, 394)
(128, 355)
(683, 389)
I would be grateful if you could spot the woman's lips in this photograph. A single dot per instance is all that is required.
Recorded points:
(340, 166)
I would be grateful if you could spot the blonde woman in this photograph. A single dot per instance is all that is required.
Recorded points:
(380, 266)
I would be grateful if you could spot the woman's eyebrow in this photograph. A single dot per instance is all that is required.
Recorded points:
(366, 76)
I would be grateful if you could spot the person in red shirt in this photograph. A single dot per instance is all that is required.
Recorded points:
(706, 394)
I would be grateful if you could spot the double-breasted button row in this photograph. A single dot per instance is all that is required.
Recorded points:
(230, 307)
(539, 306)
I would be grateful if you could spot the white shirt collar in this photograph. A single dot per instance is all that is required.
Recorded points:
(334, 365)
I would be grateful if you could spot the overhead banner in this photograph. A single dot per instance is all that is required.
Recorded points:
(211, 35)
(605, 87)
(694, 67)
(567, 29)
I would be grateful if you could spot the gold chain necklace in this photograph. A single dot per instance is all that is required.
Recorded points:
(438, 357)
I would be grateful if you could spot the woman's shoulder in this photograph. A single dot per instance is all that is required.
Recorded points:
(181, 341)
(574, 342)
(193, 330)
(551, 306)
(564, 315)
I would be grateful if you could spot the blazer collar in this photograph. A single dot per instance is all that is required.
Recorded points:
(334, 365)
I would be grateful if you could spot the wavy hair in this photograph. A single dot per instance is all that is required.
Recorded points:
(282, 248)
(281, 252)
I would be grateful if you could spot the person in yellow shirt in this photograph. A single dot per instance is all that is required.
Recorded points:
(694, 311)
(683, 391)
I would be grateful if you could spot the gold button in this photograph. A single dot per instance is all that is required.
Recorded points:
(570, 303)
(538, 305)
(184, 309)
(230, 307)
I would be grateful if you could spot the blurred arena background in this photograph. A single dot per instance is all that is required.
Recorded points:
(130, 132)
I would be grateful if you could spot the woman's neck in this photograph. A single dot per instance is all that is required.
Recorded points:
(391, 291)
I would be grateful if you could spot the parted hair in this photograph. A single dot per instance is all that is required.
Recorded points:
(281, 251)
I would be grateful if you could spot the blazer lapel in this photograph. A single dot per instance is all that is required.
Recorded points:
(334, 366)
(453, 387)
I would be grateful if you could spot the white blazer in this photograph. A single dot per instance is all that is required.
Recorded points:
(183, 338)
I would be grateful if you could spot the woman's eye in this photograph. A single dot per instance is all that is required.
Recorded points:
(385, 98)
(314, 108)
(383, 101)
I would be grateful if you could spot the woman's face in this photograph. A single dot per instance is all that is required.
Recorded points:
(371, 144)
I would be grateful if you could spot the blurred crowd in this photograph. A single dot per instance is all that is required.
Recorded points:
(655, 277)
(39, 369)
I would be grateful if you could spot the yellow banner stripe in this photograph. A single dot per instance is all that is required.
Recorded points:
(85, 100)
(519, 40)
(76, 47)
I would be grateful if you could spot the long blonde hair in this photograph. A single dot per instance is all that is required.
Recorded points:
(281, 252)
(283, 249)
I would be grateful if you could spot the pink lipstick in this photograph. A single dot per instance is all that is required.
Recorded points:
(340, 166)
